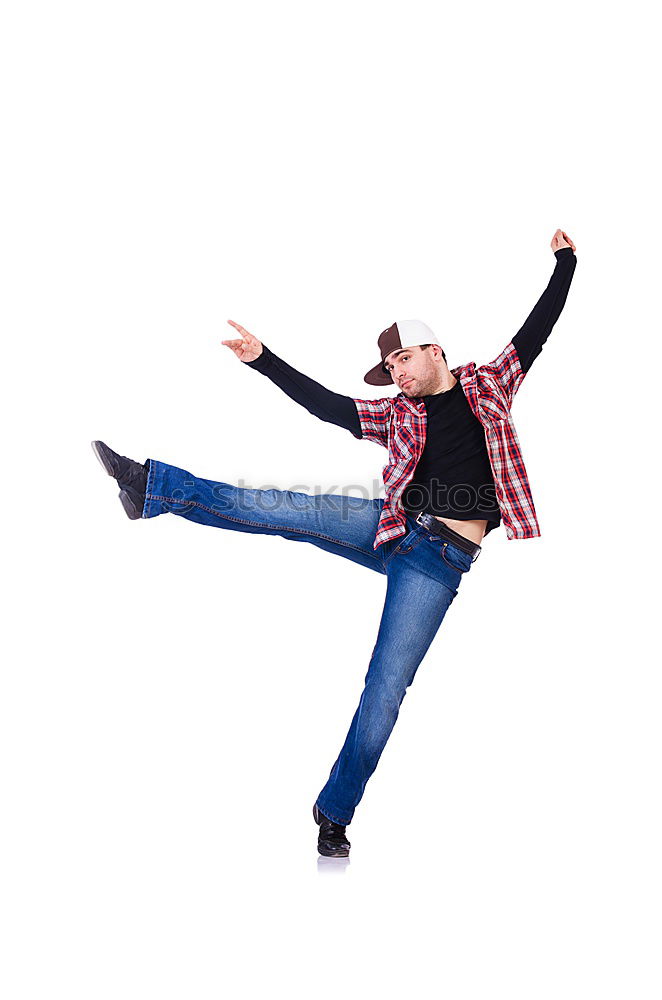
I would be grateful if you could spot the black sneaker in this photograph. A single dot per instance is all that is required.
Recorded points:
(133, 503)
(130, 476)
(331, 842)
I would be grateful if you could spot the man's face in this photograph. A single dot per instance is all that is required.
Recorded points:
(415, 372)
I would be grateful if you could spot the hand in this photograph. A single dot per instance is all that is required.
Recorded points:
(247, 349)
(561, 239)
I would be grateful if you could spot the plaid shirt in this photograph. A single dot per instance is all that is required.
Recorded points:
(399, 424)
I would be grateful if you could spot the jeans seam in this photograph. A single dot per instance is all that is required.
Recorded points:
(148, 496)
(259, 524)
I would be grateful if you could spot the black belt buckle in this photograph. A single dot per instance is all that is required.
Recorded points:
(431, 524)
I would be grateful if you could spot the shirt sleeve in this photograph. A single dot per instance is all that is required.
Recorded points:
(328, 406)
(375, 416)
(507, 371)
(528, 341)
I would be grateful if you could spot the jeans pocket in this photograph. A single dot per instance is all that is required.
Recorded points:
(409, 542)
(456, 558)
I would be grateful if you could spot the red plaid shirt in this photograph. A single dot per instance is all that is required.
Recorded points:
(399, 424)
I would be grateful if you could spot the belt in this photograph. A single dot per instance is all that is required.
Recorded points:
(439, 528)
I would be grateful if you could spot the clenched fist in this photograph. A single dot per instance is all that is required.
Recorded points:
(247, 349)
(561, 239)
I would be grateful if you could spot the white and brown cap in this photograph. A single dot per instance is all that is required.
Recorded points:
(404, 333)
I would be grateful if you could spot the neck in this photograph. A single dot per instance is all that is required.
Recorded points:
(446, 382)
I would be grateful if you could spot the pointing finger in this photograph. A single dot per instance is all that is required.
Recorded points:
(238, 327)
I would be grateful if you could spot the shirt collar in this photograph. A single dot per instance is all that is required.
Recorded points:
(463, 373)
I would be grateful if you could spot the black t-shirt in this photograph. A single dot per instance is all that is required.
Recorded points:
(455, 453)
(453, 477)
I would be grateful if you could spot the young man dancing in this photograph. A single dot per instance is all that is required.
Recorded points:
(454, 473)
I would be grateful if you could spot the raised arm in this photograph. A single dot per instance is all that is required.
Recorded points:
(511, 366)
(529, 339)
(322, 403)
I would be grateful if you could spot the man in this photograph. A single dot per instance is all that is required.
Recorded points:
(454, 473)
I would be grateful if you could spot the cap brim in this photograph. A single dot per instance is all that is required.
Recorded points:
(377, 376)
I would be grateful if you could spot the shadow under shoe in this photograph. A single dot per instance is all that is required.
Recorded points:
(331, 842)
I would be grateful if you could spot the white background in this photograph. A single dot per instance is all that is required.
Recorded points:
(173, 696)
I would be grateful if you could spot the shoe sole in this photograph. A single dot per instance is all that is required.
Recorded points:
(130, 508)
(102, 458)
(332, 854)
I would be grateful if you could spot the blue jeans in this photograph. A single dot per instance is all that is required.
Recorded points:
(423, 574)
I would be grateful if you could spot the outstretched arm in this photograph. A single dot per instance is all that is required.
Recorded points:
(511, 366)
(528, 341)
(328, 406)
